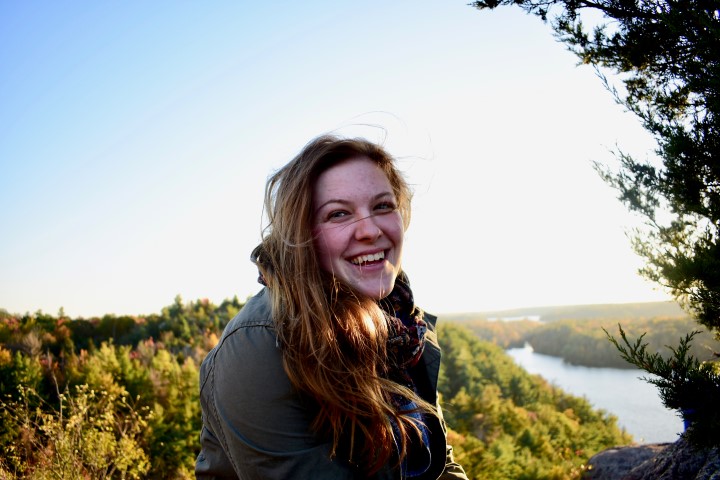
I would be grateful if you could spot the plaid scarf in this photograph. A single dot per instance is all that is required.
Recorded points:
(406, 342)
(406, 331)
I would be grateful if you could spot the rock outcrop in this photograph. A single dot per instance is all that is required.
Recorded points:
(616, 463)
(666, 461)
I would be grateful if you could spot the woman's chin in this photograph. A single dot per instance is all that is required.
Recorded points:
(375, 290)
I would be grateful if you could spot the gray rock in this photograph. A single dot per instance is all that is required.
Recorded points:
(615, 463)
(661, 461)
(680, 461)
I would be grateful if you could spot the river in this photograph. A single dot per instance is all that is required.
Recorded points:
(621, 392)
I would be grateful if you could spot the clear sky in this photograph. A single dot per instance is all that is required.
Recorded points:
(136, 138)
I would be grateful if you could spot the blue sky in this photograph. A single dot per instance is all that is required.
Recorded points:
(136, 137)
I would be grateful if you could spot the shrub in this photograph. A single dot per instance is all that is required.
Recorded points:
(89, 435)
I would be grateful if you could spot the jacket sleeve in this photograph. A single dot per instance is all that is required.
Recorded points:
(453, 470)
(425, 377)
(255, 425)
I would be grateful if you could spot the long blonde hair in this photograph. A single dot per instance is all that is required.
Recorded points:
(333, 340)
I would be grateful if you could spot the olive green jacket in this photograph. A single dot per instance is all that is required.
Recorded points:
(257, 426)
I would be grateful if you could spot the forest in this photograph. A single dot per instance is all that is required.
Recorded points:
(117, 397)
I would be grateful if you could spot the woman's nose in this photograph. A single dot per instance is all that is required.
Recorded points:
(367, 228)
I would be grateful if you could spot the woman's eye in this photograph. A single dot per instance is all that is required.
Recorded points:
(385, 207)
(337, 214)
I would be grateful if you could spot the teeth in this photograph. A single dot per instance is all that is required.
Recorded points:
(368, 258)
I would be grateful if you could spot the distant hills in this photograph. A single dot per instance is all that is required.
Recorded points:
(610, 311)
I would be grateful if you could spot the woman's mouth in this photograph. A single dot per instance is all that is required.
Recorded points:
(366, 259)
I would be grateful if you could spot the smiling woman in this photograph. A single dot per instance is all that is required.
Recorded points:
(331, 371)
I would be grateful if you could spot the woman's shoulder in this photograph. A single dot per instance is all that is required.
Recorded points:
(253, 323)
(248, 341)
(257, 312)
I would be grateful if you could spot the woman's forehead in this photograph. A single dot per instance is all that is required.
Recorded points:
(356, 175)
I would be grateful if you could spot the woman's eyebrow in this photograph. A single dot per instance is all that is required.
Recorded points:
(332, 200)
(348, 202)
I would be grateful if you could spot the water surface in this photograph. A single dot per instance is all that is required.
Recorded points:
(621, 392)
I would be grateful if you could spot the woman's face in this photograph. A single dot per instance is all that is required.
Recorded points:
(357, 227)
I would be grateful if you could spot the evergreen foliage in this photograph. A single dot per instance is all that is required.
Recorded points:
(667, 55)
(684, 383)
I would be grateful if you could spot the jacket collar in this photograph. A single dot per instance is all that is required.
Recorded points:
(431, 357)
